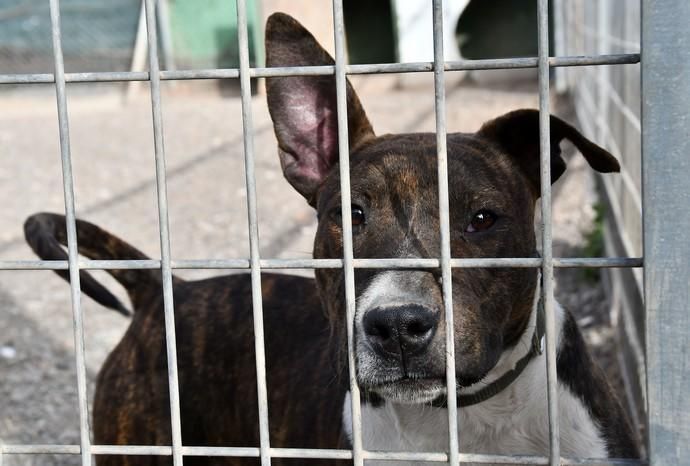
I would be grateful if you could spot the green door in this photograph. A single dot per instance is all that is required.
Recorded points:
(205, 33)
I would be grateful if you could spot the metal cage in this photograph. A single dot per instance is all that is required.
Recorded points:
(665, 126)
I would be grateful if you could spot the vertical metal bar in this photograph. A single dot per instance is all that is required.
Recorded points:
(666, 207)
(257, 305)
(547, 240)
(166, 35)
(559, 37)
(73, 252)
(139, 51)
(444, 221)
(602, 71)
(166, 271)
(348, 268)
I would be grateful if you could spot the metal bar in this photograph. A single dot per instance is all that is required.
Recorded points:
(666, 222)
(310, 453)
(444, 223)
(559, 43)
(164, 233)
(348, 255)
(598, 262)
(20, 449)
(132, 450)
(547, 239)
(257, 304)
(139, 52)
(376, 68)
(246, 452)
(70, 220)
(603, 74)
(166, 34)
(233, 264)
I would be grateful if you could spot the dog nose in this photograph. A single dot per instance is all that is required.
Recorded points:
(402, 330)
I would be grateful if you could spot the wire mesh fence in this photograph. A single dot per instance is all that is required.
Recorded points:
(543, 63)
(97, 35)
(608, 104)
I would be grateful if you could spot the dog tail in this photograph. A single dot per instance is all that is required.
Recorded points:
(46, 233)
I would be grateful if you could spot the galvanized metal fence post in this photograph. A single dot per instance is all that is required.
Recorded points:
(348, 255)
(68, 192)
(164, 232)
(444, 223)
(255, 266)
(546, 224)
(666, 206)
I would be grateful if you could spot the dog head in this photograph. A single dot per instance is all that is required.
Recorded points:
(494, 182)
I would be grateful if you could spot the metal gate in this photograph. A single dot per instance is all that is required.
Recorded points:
(665, 127)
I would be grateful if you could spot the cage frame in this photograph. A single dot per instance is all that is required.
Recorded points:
(662, 25)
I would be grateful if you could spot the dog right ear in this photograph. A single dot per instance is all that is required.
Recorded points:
(303, 108)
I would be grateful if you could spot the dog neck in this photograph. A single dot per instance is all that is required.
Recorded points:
(511, 364)
(515, 359)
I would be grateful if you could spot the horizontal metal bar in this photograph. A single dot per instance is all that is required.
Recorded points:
(598, 262)
(553, 62)
(20, 449)
(376, 68)
(311, 453)
(590, 60)
(138, 450)
(245, 452)
(218, 264)
(304, 453)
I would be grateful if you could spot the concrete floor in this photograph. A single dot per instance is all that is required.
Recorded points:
(112, 152)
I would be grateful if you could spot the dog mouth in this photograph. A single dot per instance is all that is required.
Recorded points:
(410, 390)
(413, 389)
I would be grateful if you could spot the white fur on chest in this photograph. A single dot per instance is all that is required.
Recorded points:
(514, 422)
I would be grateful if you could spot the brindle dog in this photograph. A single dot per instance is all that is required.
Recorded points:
(400, 349)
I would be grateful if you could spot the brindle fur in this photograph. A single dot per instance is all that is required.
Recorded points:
(215, 353)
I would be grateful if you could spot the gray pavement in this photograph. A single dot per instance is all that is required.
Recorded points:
(115, 188)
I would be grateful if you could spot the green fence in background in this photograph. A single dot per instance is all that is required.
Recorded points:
(100, 35)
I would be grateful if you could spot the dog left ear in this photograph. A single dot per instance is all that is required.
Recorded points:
(303, 108)
(517, 133)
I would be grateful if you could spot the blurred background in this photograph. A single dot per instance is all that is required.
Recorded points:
(112, 151)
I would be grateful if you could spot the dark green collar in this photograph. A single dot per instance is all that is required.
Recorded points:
(500, 384)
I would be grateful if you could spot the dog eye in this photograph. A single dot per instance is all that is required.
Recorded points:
(481, 221)
(357, 215)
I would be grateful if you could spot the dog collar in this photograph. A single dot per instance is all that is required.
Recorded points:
(500, 384)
